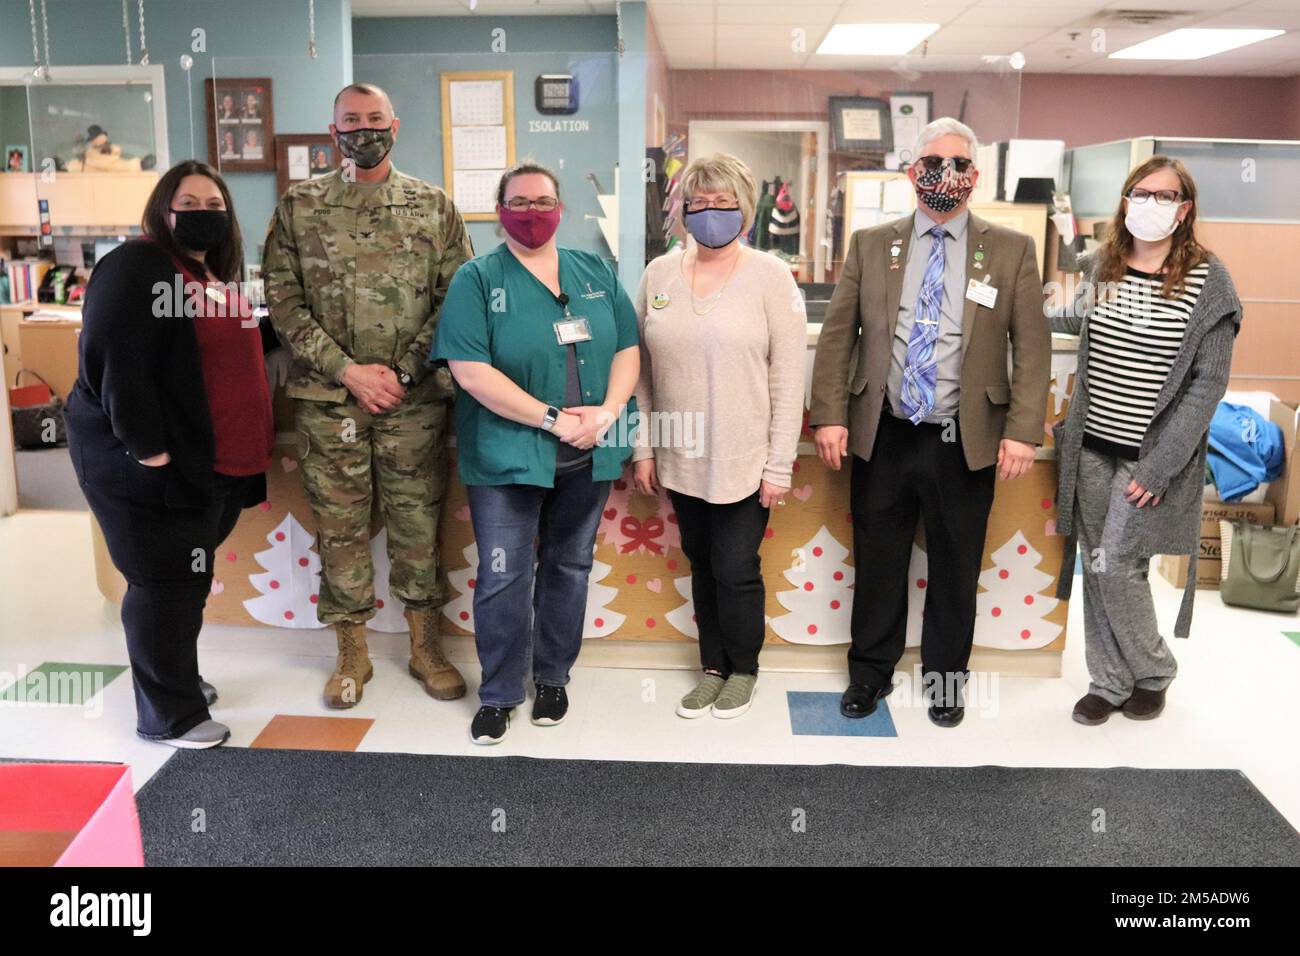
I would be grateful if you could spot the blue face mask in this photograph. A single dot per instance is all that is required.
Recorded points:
(715, 227)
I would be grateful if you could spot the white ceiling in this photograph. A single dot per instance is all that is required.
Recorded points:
(1056, 36)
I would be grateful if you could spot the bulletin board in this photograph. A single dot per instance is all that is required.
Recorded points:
(478, 138)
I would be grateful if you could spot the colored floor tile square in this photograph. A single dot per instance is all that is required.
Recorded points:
(817, 714)
(56, 682)
(286, 732)
(1294, 637)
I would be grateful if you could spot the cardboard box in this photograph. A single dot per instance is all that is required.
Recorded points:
(49, 348)
(1209, 565)
(1284, 492)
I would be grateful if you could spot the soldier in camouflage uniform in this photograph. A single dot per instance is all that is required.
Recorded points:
(356, 265)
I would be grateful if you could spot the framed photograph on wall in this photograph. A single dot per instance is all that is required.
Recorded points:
(909, 113)
(16, 158)
(300, 156)
(860, 123)
(241, 124)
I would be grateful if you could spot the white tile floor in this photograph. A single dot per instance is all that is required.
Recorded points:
(1232, 705)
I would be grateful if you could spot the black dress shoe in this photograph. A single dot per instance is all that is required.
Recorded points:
(946, 716)
(859, 700)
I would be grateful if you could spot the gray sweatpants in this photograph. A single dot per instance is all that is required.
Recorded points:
(1123, 646)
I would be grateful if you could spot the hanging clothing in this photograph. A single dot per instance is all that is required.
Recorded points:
(784, 227)
(761, 238)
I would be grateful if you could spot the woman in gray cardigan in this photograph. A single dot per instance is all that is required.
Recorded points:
(1157, 315)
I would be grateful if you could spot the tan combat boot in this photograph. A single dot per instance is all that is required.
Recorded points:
(428, 664)
(352, 669)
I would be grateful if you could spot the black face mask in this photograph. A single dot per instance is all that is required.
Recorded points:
(201, 229)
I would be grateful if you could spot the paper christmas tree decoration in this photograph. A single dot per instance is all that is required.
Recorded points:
(291, 582)
(672, 537)
(622, 526)
(918, 569)
(600, 620)
(388, 609)
(1010, 611)
(460, 609)
(615, 510)
(821, 603)
(683, 617)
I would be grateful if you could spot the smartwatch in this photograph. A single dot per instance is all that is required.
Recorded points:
(550, 418)
(403, 378)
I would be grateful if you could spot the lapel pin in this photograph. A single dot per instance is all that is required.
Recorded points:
(659, 301)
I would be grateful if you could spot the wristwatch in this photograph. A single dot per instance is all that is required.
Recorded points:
(550, 418)
(403, 378)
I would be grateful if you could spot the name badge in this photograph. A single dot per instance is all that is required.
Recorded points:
(981, 293)
(572, 329)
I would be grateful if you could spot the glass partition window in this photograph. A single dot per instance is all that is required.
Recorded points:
(1097, 174)
(93, 127)
(1241, 180)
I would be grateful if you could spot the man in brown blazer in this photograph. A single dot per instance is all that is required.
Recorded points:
(912, 379)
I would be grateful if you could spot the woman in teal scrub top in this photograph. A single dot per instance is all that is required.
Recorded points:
(543, 344)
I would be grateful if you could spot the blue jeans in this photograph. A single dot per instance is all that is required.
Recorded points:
(508, 520)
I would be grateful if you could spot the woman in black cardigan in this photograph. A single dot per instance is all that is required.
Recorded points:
(170, 432)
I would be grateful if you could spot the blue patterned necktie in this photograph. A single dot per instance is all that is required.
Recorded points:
(921, 371)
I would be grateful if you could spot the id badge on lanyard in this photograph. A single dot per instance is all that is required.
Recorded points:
(572, 329)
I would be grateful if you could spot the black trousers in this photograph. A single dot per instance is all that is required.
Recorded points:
(916, 471)
(167, 557)
(721, 542)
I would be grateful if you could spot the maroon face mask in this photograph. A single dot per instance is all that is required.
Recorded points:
(531, 228)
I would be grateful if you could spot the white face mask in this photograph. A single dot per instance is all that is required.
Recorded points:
(1149, 220)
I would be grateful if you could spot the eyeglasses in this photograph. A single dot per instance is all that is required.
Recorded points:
(933, 164)
(722, 205)
(1162, 196)
(544, 204)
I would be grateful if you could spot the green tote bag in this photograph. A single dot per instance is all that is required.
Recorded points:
(1261, 566)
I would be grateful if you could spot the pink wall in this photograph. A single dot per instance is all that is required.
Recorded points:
(1077, 109)
(802, 94)
(1095, 109)
(1289, 107)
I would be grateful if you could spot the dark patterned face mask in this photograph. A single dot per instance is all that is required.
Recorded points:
(943, 189)
(366, 147)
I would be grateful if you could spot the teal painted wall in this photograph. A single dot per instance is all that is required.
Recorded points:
(407, 55)
(262, 38)
(242, 35)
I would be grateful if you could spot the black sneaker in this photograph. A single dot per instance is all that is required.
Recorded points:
(550, 705)
(490, 725)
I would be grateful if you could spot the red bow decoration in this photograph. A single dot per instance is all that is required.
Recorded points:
(641, 534)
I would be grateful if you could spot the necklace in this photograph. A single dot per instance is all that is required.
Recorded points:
(717, 296)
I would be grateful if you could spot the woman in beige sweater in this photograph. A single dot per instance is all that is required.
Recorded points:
(723, 339)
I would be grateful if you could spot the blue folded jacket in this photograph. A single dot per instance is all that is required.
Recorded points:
(1245, 450)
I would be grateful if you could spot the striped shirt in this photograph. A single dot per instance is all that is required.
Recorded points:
(1134, 337)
